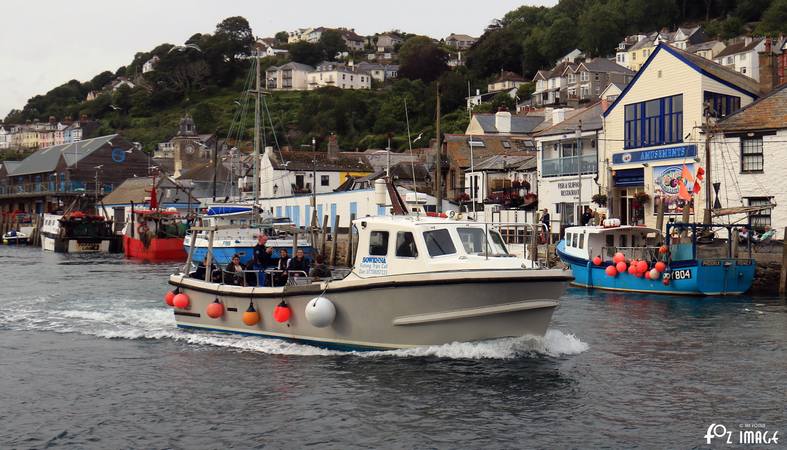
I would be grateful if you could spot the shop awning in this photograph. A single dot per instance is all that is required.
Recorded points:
(629, 177)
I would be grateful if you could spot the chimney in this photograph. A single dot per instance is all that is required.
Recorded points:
(558, 115)
(604, 104)
(768, 69)
(333, 147)
(503, 121)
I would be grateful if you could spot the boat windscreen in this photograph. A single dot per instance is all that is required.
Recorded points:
(438, 242)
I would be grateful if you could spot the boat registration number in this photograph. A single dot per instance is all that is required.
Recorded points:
(88, 246)
(683, 274)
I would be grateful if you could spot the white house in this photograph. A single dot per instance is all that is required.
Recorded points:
(338, 75)
(655, 125)
(504, 81)
(5, 138)
(743, 56)
(753, 142)
(150, 65)
(285, 173)
(568, 153)
(292, 76)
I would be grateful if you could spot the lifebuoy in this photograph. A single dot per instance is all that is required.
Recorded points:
(142, 228)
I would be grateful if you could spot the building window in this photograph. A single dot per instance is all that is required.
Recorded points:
(654, 122)
(759, 219)
(324, 180)
(721, 105)
(751, 155)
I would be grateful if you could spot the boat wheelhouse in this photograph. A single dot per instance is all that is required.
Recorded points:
(594, 252)
(415, 281)
(78, 232)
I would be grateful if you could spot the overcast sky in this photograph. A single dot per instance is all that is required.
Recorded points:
(46, 43)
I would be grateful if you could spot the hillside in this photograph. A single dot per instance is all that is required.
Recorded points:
(207, 82)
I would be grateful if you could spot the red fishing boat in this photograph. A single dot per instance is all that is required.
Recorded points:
(154, 234)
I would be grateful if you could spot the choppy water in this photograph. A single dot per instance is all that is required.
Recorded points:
(90, 358)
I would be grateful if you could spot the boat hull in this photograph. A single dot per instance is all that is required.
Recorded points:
(157, 250)
(87, 245)
(14, 240)
(694, 277)
(390, 312)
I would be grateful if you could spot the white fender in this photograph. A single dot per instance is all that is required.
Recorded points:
(320, 312)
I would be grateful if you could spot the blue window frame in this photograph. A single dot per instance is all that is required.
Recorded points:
(319, 215)
(721, 105)
(654, 122)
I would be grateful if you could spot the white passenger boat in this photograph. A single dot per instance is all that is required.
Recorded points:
(415, 281)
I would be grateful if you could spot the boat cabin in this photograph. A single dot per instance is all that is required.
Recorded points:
(590, 241)
(395, 245)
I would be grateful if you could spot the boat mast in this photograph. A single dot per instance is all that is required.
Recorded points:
(708, 165)
(439, 153)
(256, 153)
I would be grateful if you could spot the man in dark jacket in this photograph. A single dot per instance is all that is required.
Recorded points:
(262, 254)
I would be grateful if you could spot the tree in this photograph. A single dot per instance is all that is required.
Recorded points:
(99, 81)
(774, 20)
(503, 100)
(599, 28)
(282, 37)
(332, 43)
(422, 59)
(237, 34)
(495, 50)
(305, 53)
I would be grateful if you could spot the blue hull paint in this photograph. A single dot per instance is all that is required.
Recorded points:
(728, 277)
(313, 343)
(223, 255)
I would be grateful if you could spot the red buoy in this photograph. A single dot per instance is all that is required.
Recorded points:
(665, 280)
(251, 317)
(282, 312)
(660, 266)
(215, 309)
(169, 298)
(632, 269)
(642, 266)
(181, 301)
(611, 271)
(619, 257)
(621, 266)
(597, 260)
(663, 249)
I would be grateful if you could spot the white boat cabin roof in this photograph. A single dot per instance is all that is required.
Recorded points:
(394, 245)
(585, 242)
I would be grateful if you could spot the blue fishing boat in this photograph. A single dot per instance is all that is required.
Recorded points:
(594, 254)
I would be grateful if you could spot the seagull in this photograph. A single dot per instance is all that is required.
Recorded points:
(419, 137)
(99, 166)
(183, 48)
(114, 107)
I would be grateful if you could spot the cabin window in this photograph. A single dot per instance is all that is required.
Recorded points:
(378, 243)
(439, 242)
(473, 240)
(581, 241)
(405, 245)
(574, 240)
(568, 239)
(497, 244)
(623, 240)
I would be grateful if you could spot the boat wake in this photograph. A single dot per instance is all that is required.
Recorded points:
(119, 320)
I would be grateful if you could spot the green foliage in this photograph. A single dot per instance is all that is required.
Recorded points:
(503, 100)
(774, 20)
(422, 59)
(331, 43)
(306, 53)
(282, 37)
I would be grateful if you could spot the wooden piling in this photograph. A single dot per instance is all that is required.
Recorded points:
(334, 239)
(323, 235)
(350, 243)
(660, 215)
(783, 274)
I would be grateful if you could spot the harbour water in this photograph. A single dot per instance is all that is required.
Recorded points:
(90, 358)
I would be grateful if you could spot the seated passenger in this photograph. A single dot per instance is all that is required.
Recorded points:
(299, 265)
(233, 274)
(280, 277)
(199, 273)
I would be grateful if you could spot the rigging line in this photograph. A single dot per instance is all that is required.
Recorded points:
(273, 130)
(410, 145)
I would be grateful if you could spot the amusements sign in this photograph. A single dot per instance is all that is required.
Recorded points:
(665, 184)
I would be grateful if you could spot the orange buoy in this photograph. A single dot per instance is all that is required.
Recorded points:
(282, 312)
(215, 309)
(621, 266)
(597, 260)
(181, 301)
(619, 257)
(251, 317)
(632, 269)
(660, 266)
(169, 298)
(611, 271)
(663, 249)
(642, 266)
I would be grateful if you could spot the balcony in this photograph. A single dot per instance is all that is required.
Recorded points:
(570, 165)
(44, 188)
